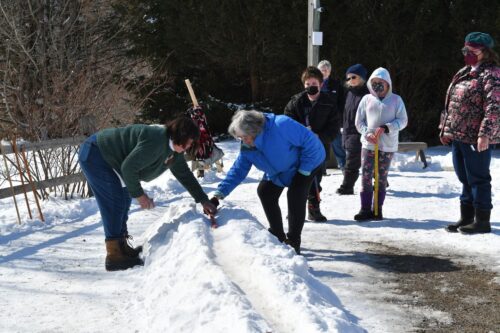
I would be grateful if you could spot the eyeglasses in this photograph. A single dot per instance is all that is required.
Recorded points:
(466, 51)
(354, 77)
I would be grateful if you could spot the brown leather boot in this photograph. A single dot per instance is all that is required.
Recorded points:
(129, 249)
(117, 259)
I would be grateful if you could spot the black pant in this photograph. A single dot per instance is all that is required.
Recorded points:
(315, 186)
(351, 168)
(297, 194)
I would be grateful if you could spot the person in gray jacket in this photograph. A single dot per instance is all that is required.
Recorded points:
(380, 116)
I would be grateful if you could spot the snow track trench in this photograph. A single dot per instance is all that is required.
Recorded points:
(238, 277)
(275, 280)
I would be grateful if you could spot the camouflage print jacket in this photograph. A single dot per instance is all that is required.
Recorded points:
(472, 105)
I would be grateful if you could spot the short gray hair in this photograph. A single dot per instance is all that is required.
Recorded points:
(325, 63)
(247, 122)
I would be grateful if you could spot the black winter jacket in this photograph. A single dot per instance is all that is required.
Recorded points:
(323, 115)
(350, 135)
(337, 91)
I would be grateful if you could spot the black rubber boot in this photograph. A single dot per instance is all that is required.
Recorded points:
(117, 259)
(466, 217)
(295, 243)
(281, 237)
(364, 215)
(343, 190)
(481, 224)
(314, 212)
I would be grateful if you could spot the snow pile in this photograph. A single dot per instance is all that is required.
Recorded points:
(235, 278)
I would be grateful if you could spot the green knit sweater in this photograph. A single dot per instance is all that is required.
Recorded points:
(138, 153)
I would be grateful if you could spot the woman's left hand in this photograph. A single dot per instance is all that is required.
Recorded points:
(483, 143)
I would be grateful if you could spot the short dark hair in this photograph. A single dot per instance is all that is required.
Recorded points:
(312, 72)
(181, 129)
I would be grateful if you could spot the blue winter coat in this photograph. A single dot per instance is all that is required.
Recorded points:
(281, 149)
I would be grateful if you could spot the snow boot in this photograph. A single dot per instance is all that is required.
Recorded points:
(293, 242)
(129, 249)
(481, 224)
(466, 217)
(314, 212)
(365, 213)
(281, 237)
(117, 259)
(344, 190)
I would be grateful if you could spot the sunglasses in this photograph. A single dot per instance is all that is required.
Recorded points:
(354, 77)
(466, 51)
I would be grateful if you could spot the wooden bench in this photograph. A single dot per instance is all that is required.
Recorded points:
(403, 147)
(418, 147)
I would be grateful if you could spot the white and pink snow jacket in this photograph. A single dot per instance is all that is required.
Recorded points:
(374, 112)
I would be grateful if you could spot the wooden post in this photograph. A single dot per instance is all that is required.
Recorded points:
(35, 194)
(14, 148)
(10, 183)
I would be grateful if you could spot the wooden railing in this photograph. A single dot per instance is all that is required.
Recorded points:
(50, 174)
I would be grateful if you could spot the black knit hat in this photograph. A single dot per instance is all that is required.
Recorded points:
(357, 69)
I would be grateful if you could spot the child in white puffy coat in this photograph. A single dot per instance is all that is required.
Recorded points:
(380, 116)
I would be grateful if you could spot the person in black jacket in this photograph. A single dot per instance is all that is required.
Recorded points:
(356, 88)
(317, 111)
(334, 87)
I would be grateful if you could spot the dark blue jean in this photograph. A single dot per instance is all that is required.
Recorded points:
(112, 199)
(338, 151)
(473, 171)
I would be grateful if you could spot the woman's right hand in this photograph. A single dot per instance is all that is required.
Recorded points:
(445, 139)
(145, 202)
(370, 137)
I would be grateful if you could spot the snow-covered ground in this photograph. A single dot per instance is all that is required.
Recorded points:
(236, 278)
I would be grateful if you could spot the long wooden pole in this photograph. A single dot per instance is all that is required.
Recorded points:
(191, 93)
(19, 169)
(213, 222)
(33, 189)
(10, 183)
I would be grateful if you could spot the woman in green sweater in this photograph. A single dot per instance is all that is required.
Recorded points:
(116, 160)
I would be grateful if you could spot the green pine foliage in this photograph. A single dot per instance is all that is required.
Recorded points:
(253, 52)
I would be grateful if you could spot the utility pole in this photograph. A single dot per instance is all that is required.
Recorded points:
(314, 36)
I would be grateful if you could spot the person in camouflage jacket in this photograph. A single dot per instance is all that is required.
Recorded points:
(470, 123)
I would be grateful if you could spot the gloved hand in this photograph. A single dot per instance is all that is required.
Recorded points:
(210, 206)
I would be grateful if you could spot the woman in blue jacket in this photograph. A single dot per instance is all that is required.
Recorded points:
(290, 156)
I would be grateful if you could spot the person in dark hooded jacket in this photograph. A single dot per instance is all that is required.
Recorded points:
(334, 87)
(317, 111)
(355, 84)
